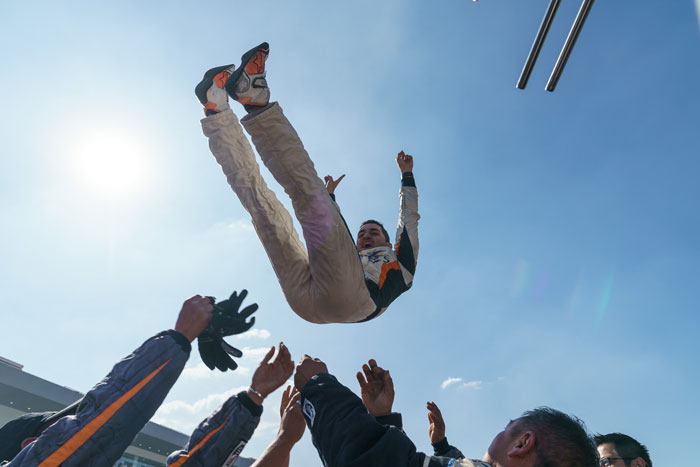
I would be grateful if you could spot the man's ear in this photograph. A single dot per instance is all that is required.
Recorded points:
(638, 462)
(523, 446)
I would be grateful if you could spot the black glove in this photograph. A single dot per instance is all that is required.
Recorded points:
(226, 320)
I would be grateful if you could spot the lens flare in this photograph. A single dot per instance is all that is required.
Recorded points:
(521, 277)
(605, 297)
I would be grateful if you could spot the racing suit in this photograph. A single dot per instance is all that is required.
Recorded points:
(325, 281)
(346, 435)
(114, 411)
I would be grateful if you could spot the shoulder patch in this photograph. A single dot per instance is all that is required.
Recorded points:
(309, 411)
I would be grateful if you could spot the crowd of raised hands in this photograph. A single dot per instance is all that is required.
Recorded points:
(376, 391)
(346, 430)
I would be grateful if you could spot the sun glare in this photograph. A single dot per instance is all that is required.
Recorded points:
(111, 164)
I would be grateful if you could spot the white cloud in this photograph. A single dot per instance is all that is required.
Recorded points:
(472, 384)
(267, 428)
(240, 226)
(253, 355)
(449, 382)
(255, 352)
(261, 334)
(201, 371)
(459, 383)
(183, 416)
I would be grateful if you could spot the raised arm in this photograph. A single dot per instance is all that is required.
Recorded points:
(343, 432)
(292, 426)
(377, 391)
(332, 184)
(436, 431)
(221, 437)
(406, 243)
(114, 411)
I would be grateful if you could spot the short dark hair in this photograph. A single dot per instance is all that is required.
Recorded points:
(561, 440)
(372, 221)
(626, 446)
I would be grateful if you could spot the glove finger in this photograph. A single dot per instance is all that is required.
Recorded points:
(231, 350)
(240, 297)
(249, 310)
(212, 300)
(232, 365)
(246, 326)
(236, 327)
(218, 358)
(224, 362)
(236, 300)
(205, 352)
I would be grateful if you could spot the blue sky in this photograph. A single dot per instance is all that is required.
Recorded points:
(559, 232)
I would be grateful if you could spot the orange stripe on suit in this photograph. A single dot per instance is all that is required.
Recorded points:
(78, 439)
(187, 456)
(386, 267)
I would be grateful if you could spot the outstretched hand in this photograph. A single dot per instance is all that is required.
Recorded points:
(377, 389)
(292, 425)
(436, 430)
(194, 317)
(405, 162)
(331, 184)
(307, 368)
(272, 374)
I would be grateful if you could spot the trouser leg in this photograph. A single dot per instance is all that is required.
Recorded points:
(271, 220)
(337, 286)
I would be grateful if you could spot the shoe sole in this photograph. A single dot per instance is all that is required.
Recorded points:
(248, 65)
(211, 78)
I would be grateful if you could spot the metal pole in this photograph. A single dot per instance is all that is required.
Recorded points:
(569, 45)
(537, 44)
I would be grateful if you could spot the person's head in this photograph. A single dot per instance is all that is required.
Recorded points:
(371, 235)
(18, 433)
(543, 437)
(618, 450)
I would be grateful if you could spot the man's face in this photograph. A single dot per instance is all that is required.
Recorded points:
(497, 454)
(607, 450)
(370, 236)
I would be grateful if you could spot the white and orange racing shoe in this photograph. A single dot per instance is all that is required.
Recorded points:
(210, 91)
(247, 84)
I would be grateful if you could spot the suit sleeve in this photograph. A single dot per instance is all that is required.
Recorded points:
(346, 435)
(406, 242)
(443, 448)
(115, 410)
(221, 437)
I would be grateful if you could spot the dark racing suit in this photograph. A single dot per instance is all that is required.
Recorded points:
(114, 411)
(346, 435)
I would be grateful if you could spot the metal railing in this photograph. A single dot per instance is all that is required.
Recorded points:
(566, 49)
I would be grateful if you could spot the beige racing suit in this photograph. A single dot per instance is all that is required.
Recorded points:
(326, 281)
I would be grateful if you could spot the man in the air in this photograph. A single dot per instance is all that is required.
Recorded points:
(327, 281)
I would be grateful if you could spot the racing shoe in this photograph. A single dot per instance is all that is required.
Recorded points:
(210, 91)
(247, 84)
